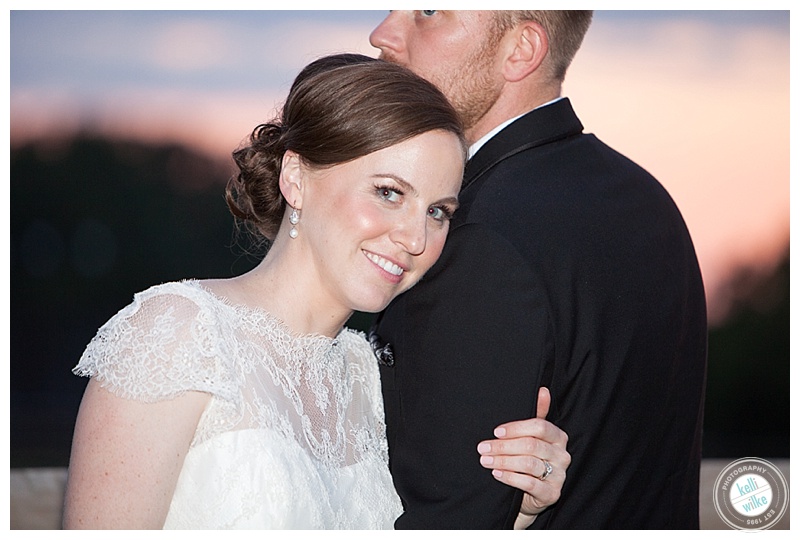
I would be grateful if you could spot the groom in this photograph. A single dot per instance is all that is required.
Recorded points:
(567, 266)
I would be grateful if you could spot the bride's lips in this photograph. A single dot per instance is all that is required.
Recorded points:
(391, 268)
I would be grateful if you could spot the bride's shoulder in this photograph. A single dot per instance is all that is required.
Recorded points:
(170, 332)
(177, 299)
(189, 290)
(167, 314)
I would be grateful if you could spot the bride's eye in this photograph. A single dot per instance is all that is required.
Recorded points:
(440, 213)
(388, 194)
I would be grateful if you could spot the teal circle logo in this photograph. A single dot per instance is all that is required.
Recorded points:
(751, 494)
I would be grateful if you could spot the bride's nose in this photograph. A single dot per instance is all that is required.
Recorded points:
(411, 233)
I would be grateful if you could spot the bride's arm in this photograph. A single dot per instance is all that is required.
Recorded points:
(520, 457)
(126, 458)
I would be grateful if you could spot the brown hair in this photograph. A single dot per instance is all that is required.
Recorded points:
(565, 31)
(339, 108)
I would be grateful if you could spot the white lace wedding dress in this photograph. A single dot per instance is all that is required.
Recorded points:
(294, 435)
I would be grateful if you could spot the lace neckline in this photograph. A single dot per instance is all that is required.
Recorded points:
(325, 345)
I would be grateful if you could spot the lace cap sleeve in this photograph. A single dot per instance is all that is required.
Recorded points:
(163, 344)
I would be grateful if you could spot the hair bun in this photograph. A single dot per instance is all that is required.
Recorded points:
(254, 195)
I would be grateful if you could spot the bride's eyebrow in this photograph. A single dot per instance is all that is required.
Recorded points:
(405, 185)
(450, 201)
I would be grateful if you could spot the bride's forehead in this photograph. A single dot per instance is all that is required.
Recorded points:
(430, 161)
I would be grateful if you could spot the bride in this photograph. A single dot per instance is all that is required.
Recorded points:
(244, 402)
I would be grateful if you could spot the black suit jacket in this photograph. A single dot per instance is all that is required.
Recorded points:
(567, 266)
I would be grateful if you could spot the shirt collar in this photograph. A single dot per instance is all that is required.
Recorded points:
(473, 149)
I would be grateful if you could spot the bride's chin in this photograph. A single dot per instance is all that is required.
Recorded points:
(378, 300)
(374, 306)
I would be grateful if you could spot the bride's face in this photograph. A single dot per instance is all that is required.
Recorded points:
(375, 225)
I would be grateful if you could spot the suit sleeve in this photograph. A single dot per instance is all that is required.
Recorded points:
(468, 342)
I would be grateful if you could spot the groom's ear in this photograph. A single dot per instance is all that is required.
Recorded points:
(524, 50)
(291, 179)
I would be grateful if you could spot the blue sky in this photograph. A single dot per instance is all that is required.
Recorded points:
(91, 52)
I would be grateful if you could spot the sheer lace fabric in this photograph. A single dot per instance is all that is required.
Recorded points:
(293, 436)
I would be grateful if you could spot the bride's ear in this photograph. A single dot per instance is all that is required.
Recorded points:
(291, 179)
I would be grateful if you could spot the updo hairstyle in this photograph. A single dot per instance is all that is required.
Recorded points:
(339, 108)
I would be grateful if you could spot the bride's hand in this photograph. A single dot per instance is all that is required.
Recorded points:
(530, 455)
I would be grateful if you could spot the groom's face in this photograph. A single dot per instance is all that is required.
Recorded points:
(455, 50)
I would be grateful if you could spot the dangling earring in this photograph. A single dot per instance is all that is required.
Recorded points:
(294, 219)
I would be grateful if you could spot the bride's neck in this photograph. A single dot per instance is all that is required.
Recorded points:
(279, 286)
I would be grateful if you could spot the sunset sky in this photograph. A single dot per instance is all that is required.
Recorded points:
(699, 98)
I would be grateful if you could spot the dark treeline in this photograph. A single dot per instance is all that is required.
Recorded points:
(95, 220)
(747, 400)
(92, 222)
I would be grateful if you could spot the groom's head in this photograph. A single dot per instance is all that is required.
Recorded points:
(481, 59)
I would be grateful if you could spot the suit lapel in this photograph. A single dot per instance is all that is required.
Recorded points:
(540, 126)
